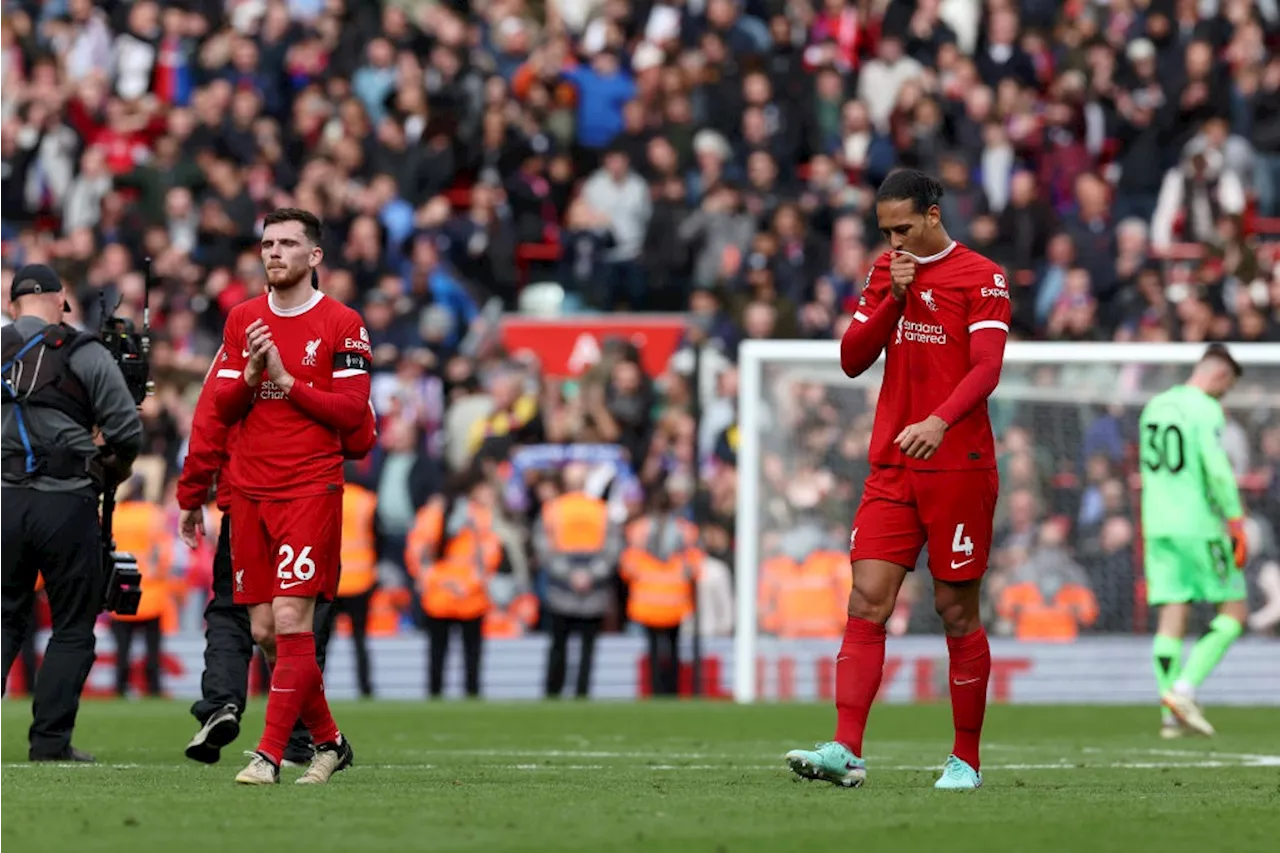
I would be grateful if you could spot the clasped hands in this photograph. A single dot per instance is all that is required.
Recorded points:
(264, 357)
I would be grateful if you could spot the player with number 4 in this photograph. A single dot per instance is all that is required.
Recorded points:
(941, 314)
(295, 373)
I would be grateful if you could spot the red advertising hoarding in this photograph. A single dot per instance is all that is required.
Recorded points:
(568, 346)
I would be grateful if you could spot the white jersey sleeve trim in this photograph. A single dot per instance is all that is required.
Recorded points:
(227, 373)
(989, 324)
(348, 372)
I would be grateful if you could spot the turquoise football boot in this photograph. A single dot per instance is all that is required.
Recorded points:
(957, 775)
(828, 762)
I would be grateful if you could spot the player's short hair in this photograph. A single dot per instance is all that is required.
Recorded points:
(310, 222)
(911, 185)
(1221, 353)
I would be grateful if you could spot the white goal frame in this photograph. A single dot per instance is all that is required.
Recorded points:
(754, 355)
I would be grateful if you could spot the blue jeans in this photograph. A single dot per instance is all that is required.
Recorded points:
(1267, 178)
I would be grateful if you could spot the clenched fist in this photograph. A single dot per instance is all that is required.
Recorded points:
(902, 270)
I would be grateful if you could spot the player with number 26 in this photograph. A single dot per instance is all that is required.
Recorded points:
(295, 374)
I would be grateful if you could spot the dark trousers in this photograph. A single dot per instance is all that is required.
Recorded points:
(438, 631)
(229, 643)
(664, 660)
(561, 627)
(356, 607)
(27, 657)
(55, 534)
(124, 632)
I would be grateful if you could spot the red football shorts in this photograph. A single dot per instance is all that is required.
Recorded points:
(952, 511)
(286, 548)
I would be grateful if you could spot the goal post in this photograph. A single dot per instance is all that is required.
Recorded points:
(1063, 402)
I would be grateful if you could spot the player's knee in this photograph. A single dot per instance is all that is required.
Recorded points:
(1237, 610)
(1172, 621)
(960, 616)
(871, 605)
(265, 636)
(291, 616)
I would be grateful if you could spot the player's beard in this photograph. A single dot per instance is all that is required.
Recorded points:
(284, 279)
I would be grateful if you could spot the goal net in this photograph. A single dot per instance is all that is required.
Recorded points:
(1066, 560)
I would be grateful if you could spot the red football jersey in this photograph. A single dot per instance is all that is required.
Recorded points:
(956, 293)
(290, 445)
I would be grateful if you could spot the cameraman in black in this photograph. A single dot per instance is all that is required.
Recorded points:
(60, 387)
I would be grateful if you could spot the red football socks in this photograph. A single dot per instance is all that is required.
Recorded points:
(315, 707)
(290, 684)
(859, 667)
(969, 673)
(297, 689)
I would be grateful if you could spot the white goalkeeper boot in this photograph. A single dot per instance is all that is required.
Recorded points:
(1188, 713)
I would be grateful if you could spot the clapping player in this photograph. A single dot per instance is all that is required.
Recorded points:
(294, 373)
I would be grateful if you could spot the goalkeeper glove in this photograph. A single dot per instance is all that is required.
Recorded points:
(1239, 542)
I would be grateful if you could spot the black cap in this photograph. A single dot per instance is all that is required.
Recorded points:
(1221, 351)
(36, 278)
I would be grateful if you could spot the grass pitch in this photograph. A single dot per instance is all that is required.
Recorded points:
(654, 777)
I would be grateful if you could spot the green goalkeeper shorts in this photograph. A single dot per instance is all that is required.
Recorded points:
(1184, 569)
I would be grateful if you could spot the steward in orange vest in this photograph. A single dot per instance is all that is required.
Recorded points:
(359, 575)
(805, 598)
(141, 529)
(512, 613)
(661, 566)
(452, 552)
(577, 546)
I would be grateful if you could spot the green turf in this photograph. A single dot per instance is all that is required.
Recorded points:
(655, 777)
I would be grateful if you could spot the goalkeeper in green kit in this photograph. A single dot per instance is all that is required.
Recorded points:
(1193, 533)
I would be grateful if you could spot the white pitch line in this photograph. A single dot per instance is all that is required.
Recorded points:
(1255, 761)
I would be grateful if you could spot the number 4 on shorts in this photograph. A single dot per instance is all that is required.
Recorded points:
(961, 544)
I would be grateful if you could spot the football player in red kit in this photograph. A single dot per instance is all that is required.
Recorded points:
(941, 312)
(295, 375)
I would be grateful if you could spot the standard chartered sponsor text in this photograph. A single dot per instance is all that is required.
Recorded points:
(924, 333)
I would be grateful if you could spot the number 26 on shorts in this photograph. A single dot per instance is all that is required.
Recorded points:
(294, 569)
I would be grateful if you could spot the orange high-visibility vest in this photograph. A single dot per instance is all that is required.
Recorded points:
(455, 586)
(576, 523)
(359, 564)
(514, 620)
(660, 591)
(386, 606)
(808, 599)
(139, 529)
(1054, 621)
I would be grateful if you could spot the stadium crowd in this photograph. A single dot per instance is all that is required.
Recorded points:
(718, 157)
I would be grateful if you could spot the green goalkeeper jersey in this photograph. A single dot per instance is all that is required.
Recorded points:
(1188, 487)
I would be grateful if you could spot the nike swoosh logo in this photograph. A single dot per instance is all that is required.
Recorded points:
(956, 565)
(244, 353)
(963, 683)
(291, 584)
